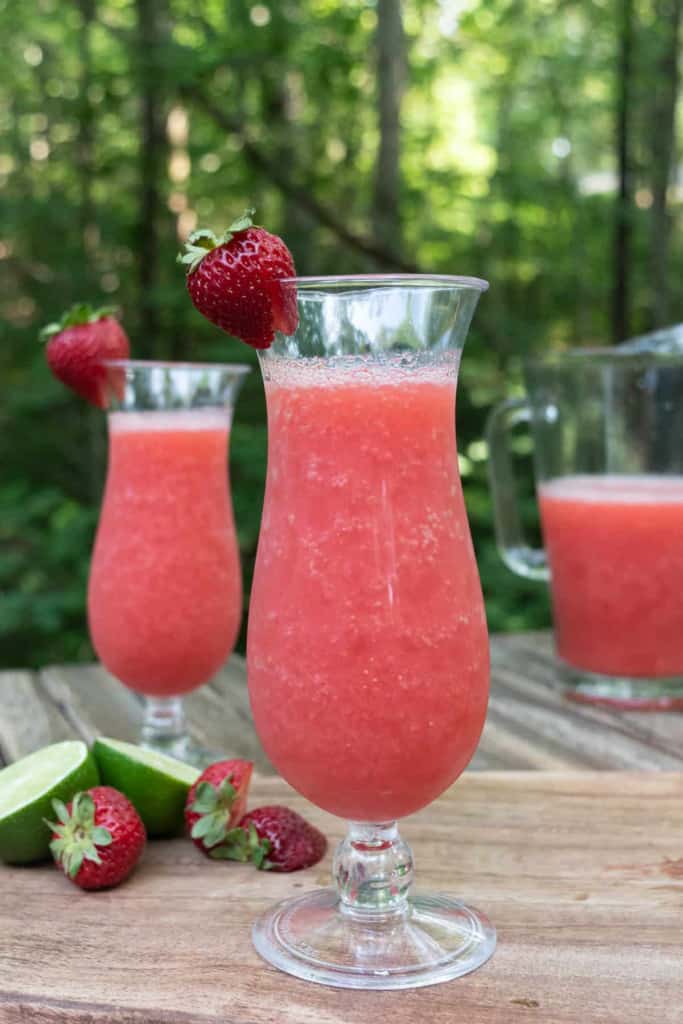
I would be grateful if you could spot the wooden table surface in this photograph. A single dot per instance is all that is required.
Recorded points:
(530, 724)
(581, 872)
(575, 850)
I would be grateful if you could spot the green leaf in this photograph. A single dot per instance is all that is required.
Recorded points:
(241, 224)
(73, 863)
(234, 847)
(203, 826)
(80, 313)
(227, 792)
(101, 836)
(203, 238)
(84, 809)
(206, 799)
(61, 811)
(91, 854)
(57, 848)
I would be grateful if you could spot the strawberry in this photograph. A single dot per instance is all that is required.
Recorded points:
(217, 801)
(77, 345)
(234, 281)
(98, 838)
(274, 838)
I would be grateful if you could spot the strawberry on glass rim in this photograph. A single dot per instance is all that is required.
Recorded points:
(77, 346)
(235, 281)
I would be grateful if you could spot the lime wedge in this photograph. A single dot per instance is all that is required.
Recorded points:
(156, 785)
(27, 789)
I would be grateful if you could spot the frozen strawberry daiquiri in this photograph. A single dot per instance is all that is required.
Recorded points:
(368, 667)
(165, 592)
(615, 548)
(367, 647)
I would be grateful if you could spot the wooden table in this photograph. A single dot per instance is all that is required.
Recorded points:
(579, 865)
(530, 724)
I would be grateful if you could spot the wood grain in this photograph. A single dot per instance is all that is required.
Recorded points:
(530, 725)
(27, 720)
(581, 872)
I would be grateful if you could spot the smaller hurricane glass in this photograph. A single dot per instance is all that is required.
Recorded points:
(165, 587)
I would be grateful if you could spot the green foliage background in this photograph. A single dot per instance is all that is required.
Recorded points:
(125, 121)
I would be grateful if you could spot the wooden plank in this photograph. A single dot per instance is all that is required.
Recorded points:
(27, 720)
(527, 703)
(93, 701)
(530, 657)
(582, 874)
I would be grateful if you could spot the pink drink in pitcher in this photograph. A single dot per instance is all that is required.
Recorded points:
(615, 550)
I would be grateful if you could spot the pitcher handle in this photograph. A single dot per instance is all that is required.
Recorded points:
(515, 552)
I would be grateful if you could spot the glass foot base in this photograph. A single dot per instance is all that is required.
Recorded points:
(623, 692)
(438, 939)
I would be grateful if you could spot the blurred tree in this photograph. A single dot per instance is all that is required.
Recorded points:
(666, 26)
(621, 315)
(475, 136)
(390, 82)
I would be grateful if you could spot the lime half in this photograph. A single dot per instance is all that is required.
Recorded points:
(156, 785)
(27, 789)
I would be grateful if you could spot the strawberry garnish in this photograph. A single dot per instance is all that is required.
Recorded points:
(98, 838)
(78, 344)
(217, 801)
(234, 281)
(273, 838)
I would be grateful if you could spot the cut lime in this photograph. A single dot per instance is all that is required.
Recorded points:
(27, 789)
(156, 785)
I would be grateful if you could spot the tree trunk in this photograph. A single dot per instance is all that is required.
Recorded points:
(153, 155)
(86, 139)
(662, 125)
(390, 41)
(624, 205)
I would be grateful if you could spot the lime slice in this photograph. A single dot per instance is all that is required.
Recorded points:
(156, 785)
(27, 789)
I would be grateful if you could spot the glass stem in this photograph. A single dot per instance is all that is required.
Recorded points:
(373, 871)
(163, 723)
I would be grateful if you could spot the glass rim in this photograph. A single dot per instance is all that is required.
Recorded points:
(336, 282)
(169, 364)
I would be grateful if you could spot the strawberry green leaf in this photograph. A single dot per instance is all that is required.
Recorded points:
(80, 313)
(101, 836)
(59, 830)
(206, 799)
(234, 847)
(72, 862)
(203, 826)
(203, 240)
(83, 809)
(197, 246)
(61, 811)
(241, 224)
(56, 848)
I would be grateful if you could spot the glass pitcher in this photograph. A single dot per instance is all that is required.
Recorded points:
(607, 429)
